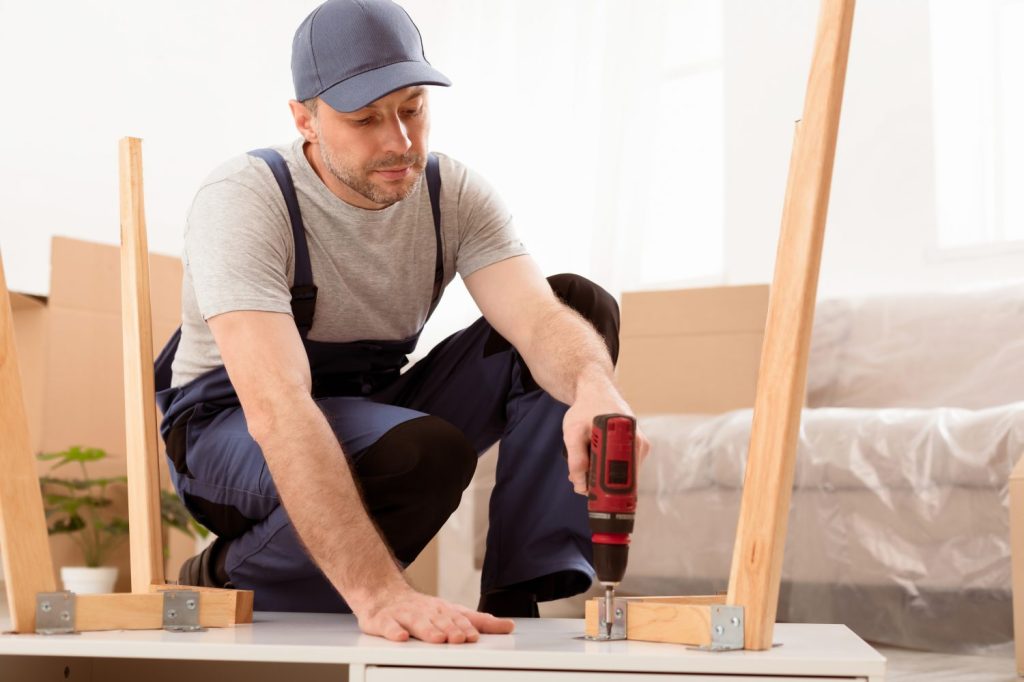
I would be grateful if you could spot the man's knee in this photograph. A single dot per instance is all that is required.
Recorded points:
(593, 303)
(413, 478)
(442, 458)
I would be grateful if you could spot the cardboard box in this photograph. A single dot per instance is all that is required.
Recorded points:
(69, 349)
(70, 353)
(692, 350)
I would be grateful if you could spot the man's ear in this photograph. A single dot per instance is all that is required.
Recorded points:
(303, 120)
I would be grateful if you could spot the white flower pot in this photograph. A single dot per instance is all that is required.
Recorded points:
(85, 580)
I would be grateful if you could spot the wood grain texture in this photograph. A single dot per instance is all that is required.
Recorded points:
(674, 620)
(145, 540)
(144, 611)
(28, 566)
(1017, 559)
(242, 599)
(782, 379)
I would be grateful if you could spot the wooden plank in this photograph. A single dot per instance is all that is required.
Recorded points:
(242, 599)
(139, 400)
(144, 611)
(675, 620)
(28, 566)
(782, 379)
(1017, 559)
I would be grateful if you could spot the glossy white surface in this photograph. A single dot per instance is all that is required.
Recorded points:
(552, 644)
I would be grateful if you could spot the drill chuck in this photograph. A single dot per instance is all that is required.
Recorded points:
(610, 561)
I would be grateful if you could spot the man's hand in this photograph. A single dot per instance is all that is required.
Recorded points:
(403, 613)
(593, 397)
(269, 369)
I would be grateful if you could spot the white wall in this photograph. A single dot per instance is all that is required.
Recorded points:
(198, 81)
(547, 109)
(881, 232)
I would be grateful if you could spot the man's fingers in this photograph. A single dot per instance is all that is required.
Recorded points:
(454, 633)
(471, 632)
(427, 631)
(433, 620)
(643, 445)
(393, 631)
(488, 624)
(578, 462)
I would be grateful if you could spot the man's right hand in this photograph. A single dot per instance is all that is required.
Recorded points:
(402, 612)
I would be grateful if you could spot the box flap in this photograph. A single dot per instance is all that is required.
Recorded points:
(87, 276)
(26, 302)
(711, 310)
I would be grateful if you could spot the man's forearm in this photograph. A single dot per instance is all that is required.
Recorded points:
(319, 492)
(565, 352)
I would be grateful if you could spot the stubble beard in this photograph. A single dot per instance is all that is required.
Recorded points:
(358, 179)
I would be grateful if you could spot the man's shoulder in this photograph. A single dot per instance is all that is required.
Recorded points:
(457, 177)
(245, 171)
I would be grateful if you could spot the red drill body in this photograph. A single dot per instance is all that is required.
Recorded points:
(611, 501)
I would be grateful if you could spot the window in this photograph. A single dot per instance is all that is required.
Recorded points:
(978, 85)
(682, 188)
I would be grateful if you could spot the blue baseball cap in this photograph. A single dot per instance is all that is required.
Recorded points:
(352, 52)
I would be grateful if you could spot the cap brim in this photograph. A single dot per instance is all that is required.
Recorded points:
(356, 92)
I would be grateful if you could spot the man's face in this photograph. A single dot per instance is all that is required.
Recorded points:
(377, 154)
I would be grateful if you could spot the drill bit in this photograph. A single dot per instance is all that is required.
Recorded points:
(609, 613)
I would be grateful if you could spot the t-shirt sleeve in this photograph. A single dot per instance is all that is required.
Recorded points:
(486, 231)
(236, 251)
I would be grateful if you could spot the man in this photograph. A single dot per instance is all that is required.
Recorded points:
(309, 273)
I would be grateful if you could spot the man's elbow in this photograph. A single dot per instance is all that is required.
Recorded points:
(270, 413)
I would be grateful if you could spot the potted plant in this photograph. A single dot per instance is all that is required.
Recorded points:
(80, 508)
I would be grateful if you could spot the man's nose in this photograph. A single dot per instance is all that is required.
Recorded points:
(396, 136)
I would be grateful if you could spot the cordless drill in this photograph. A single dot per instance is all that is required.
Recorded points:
(611, 500)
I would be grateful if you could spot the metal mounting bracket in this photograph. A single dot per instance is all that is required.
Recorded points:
(55, 613)
(618, 615)
(181, 611)
(726, 629)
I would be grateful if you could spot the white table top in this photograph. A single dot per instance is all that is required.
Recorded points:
(553, 644)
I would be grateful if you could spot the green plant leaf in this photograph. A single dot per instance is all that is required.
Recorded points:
(72, 503)
(71, 524)
(114, 526)
(175, 515)
(75, 453)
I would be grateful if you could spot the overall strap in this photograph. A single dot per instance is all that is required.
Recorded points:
(303, 290)
(434, 190)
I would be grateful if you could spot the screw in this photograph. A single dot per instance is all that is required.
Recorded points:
(735, 621)
(65, 616)
(191, 604)
(45, 606)
(719, 629)
(172, 614)
(618, 613)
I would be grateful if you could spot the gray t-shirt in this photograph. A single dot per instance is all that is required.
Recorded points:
(374, 269)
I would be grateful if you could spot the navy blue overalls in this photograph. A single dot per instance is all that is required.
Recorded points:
(474, 379)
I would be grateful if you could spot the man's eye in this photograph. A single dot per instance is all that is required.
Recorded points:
(362, 121)
(413, 112)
